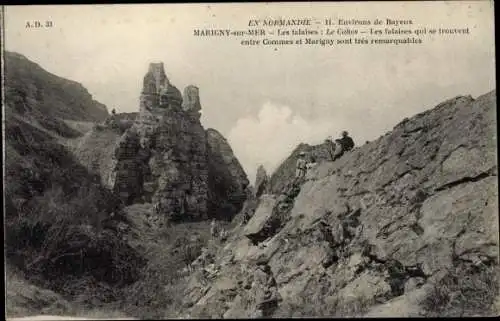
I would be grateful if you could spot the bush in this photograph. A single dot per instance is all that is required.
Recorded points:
(467, 291)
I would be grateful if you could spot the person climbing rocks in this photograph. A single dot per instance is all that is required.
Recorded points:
(301, 166)
(343, 145)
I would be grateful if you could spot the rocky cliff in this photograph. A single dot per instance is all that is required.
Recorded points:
(227, 181)
(406, 225)
(168, 158)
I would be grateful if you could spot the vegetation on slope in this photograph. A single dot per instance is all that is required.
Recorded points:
(58, 217)
(29, 89)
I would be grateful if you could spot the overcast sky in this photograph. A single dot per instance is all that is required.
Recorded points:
(265, 101)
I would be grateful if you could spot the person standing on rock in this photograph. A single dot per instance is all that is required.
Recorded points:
(330, 147)
(301, 166)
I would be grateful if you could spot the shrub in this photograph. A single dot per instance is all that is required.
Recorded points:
(466, 291)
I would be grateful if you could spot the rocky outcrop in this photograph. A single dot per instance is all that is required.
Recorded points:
(261, 181)
(227, 180)
(386, 229)
(169, 165)
(187, 172)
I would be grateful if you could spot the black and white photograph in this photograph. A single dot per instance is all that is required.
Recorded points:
(250, 160)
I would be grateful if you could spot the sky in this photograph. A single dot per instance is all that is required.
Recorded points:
(265, 101)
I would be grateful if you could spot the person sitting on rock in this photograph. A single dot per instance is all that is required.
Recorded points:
(343, 145)
(346, 141)
(301, 166)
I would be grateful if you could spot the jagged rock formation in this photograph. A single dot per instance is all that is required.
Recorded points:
(378, 232)
(227, 181)
(189, 172)
(170, 155)
(261, 181)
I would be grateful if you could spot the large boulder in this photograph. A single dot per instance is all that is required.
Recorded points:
(255, 229)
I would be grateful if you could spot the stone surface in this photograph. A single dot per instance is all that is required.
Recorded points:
(373, 232)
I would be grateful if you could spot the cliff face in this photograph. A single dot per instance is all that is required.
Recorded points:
(227, 181)
(406, 225)
(176, 159)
